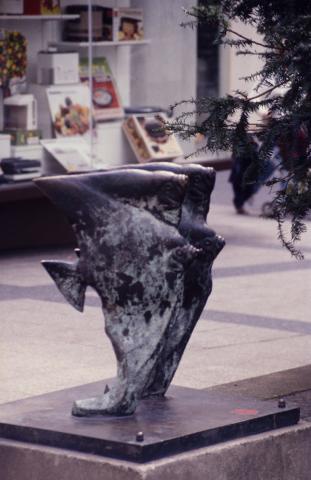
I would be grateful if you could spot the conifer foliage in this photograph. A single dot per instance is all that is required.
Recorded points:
(282, 88)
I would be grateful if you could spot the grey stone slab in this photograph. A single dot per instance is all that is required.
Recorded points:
(258, 321)
(263, 268)
(284, 295)
(240, 334)
(278, 384)
(216, 366)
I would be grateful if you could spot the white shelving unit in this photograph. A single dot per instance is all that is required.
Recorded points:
(48, 31)
(43, 31)
(95, 44)
(38, 17)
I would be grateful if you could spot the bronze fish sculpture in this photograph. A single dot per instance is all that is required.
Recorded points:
(142, 253)
(197, 277)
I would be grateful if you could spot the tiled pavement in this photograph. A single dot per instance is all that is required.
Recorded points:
(257, 320)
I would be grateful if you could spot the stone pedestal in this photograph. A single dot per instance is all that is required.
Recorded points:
(184, 420)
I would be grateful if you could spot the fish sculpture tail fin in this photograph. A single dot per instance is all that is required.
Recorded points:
(68, 280)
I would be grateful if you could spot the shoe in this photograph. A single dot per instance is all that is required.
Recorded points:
(241, 211)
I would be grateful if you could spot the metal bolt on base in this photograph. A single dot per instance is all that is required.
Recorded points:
(139, 436)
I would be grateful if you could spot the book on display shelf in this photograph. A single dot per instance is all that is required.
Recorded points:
(106, 99)
(149, 138)
(74, 154)
(16, 169)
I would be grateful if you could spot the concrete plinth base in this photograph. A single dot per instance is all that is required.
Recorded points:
(279, 455)
(185, 419)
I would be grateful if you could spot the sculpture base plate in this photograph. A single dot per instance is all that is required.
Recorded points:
(185, 419)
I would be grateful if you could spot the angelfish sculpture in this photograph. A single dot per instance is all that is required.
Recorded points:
(147, 252)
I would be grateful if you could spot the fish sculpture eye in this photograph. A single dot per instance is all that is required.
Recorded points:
(151, 270)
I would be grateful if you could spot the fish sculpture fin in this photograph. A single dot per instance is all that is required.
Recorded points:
(68, 280)
(182, 257)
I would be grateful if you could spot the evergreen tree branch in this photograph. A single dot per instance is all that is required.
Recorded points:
(266, 92)
(250, 41)
(227, 123)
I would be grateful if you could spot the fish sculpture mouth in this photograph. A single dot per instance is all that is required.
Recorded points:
(145, 248)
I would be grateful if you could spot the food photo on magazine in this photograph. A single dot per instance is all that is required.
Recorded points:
(69, 107)
(106, 99)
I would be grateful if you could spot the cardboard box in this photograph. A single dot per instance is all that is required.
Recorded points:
(77, 30)
(12, 7)
(42, 7)
(20, 112)
(58, 68)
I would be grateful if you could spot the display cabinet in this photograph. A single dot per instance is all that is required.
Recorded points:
(158, 70)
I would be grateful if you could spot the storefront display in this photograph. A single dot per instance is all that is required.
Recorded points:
(64, 87)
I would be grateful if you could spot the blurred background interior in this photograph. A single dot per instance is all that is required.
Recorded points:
(81, 92)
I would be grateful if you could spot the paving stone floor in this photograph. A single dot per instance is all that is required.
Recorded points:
(257, 320)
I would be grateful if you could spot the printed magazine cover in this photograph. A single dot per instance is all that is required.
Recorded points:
(69, 107)
(149, 139)
(106, 100)
(128, 24)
